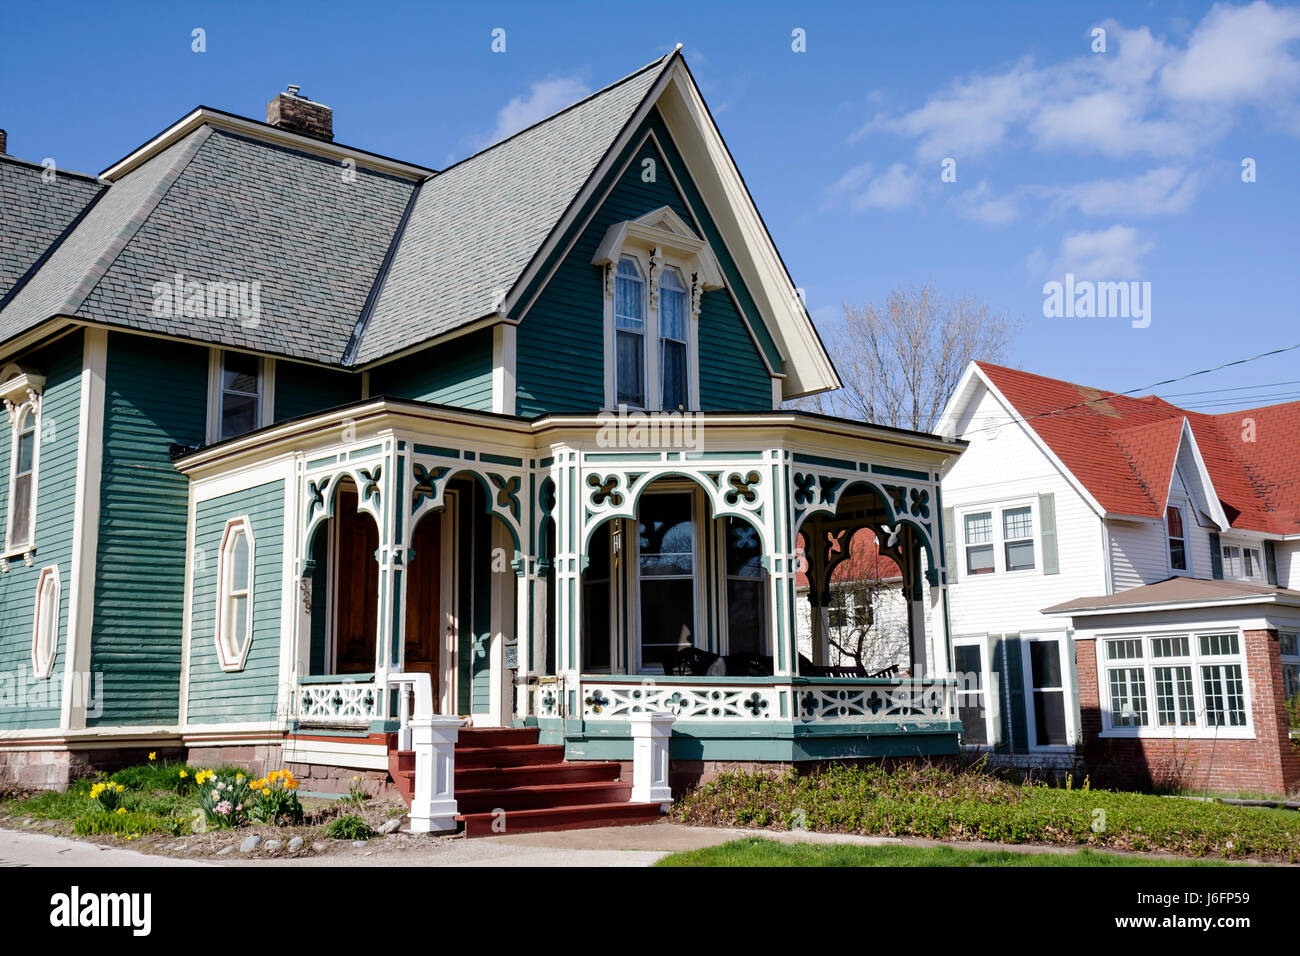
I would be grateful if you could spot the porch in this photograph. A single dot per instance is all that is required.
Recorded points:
(569, 573)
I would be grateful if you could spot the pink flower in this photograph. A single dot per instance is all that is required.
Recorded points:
(223, 807)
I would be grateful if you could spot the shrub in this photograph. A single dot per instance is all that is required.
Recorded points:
(954, 805)
(274, 799)
(349, 828)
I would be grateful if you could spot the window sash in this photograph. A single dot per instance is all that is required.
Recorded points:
(1225, 701)
(1177, 538)
(1128, 697)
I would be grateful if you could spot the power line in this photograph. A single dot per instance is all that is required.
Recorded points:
(1090, 403)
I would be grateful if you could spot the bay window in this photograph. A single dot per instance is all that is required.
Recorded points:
(666, 574)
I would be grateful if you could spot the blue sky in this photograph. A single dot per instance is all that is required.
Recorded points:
(1123, 164)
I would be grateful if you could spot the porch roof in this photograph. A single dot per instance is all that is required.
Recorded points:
(411, 413)
(1178, 592)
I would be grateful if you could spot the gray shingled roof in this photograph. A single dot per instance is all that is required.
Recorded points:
(34, 212)
(216, 207)
(219, 207)
(476, 225)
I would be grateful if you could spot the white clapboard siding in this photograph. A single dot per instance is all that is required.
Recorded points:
(1004, 464)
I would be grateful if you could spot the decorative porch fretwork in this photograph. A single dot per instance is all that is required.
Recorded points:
(886, 701)
(341, 704)
(620, 701)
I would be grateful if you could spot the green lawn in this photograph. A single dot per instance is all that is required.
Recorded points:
(761, 852)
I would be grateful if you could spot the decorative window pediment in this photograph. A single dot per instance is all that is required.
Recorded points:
(657, 269)
(664, 233)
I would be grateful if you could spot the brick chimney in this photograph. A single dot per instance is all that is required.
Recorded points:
(4, 141)
(292, 111)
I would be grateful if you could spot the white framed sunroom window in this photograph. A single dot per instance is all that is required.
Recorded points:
(1182, 684)
(45, 624)
(235, 581)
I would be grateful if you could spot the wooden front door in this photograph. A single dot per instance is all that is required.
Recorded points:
(356, 587)
(424, 615)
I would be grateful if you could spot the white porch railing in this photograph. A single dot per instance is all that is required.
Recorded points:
(757, 700)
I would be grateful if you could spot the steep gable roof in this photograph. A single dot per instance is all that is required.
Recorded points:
(1124, 449)
(355, 270)
(38, 210)
(476, 225)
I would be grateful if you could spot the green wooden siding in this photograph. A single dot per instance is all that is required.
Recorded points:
(473, 583)
(24, 701)
(156, 395)
(458, 372)
(217, 696)
(304, 389)
(732, 374)
(560, 346)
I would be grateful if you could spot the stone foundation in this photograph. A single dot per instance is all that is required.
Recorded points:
(322, 778)
(259, 759)
(56, 769)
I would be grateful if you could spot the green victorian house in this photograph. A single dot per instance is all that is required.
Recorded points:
(293, 424)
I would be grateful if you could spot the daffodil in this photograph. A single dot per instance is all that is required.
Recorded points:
(153, 755)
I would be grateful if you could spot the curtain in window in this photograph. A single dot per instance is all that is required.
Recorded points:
(629, 334)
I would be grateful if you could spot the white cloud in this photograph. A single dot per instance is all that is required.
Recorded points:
(1143, 96)
(1113, 253)
(895, 188)
(544, 98)
(980, 205)
(1161, 191)
(1236, 54)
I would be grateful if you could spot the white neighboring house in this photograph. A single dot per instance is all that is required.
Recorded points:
(1069, 509)
(867, 597)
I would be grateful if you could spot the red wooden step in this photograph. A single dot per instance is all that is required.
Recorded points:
(536, 774)
(511, 756)
(487, 799)
(496, 736)
(559, 818)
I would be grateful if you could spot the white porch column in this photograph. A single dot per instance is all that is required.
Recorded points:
(433, 810)
(651, 733)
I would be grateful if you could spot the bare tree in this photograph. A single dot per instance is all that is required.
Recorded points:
(899, 363)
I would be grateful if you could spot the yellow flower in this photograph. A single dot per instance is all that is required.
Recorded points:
(273, 776)
(239, 778)
(121, 811)
(291, 785)
(184, 775)
(153, 755)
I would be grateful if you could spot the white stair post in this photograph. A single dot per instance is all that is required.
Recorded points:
(433, 809)
(651, 733)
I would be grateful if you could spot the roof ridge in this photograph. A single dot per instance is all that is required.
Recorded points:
(19, 161)
(546, 119)
(190, 149)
